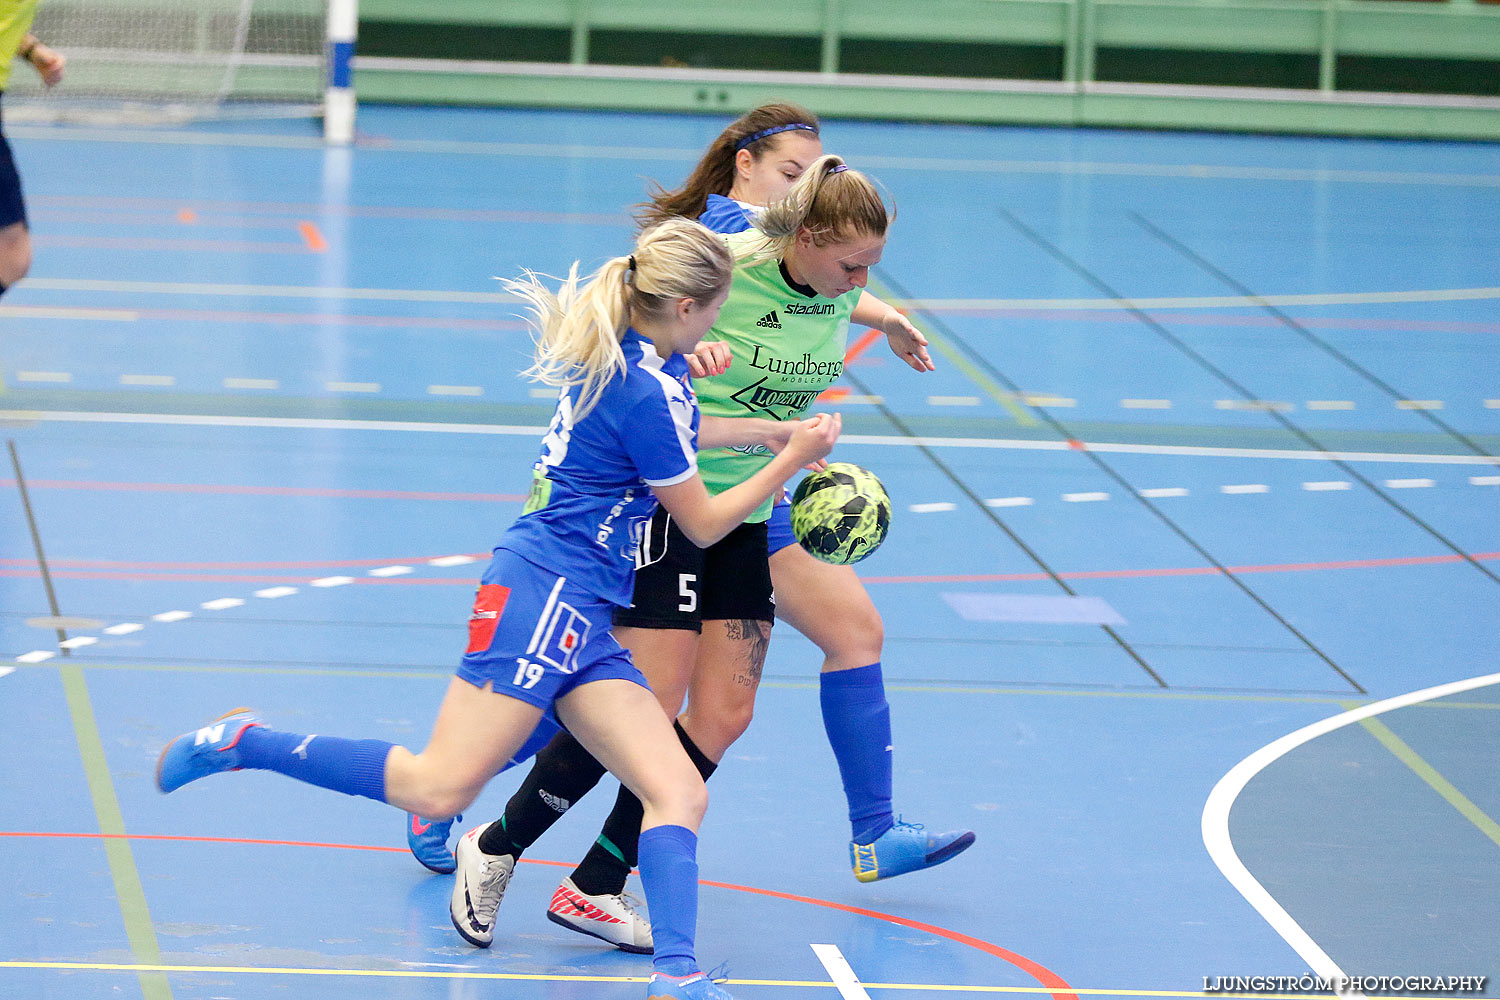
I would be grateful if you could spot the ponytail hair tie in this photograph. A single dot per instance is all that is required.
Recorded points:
(839, 169)
(630, 269)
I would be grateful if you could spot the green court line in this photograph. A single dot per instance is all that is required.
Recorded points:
(995, 392)
(128, 889)
(1458, 800)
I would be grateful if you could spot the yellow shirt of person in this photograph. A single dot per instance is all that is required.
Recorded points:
(15, 22)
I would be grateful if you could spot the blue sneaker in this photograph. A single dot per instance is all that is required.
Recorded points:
(205, 751)
(905, 847)
(698, 986)
(428, 840)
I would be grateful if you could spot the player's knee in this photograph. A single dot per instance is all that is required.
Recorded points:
(858, 641)
(682, 802)
(15, 260)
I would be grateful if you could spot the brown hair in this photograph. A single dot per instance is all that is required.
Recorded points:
(714, 173)
(831, 201)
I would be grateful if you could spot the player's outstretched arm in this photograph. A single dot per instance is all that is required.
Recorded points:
(906, 341)
(706, 518)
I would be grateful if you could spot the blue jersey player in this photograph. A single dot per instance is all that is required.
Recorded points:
(623, 437)
(701, 620)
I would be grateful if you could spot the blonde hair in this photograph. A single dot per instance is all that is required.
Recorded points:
(577, 329)
(714, 173)
(830, 200)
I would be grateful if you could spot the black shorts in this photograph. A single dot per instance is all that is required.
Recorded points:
(678, 585)
(12, 208)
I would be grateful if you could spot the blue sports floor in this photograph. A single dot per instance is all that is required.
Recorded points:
(1203, 482)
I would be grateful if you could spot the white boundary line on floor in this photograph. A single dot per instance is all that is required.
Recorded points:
(1221, 800)
(879, 440)
(849, 986)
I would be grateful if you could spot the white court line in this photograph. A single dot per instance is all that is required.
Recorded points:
(271, 593)
(1239, 488)
(761, 80)
(1085, 497)
(36, 656)
(1409, 484)
(44, 376)
(78, 642)
(331, 581)
(879, 440)
(1221, 800)
(1009, 502)
(7, 670)
(221, 604)
(251, 383)
(1330, 404)
(451, 561)
(1484, 480)
(52, 312)
(849, 986)
(1165, 491)
(390, 571)
(439, 295)
(167, 617)
(932, 508)
(1328, 485)
(162, 380)
(124, 628)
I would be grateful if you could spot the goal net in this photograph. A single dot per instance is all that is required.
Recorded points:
(157, 61)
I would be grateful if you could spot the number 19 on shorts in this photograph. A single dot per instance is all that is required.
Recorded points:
(528, 674)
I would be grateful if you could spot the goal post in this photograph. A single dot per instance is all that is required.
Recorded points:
(164, 61)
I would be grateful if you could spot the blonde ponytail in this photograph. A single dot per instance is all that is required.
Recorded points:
(577, 330)
(831, 201)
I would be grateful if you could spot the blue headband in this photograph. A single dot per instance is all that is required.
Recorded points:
(839, 169)
(767, 132)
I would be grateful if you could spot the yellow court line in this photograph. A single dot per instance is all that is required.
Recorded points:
(1429, 774)
(940, 344)
(545, 978)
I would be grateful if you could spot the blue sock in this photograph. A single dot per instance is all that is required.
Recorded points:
(669, 872)
(858, 720)
(354, 767)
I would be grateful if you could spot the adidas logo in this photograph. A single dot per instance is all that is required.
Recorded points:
(557, 802)
(769, 321)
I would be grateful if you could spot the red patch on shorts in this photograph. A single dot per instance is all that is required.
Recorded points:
(488, 606)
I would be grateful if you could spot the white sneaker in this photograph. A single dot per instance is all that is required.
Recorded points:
(617, 919)
(479, 883)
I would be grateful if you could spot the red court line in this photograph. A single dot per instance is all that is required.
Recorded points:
(346, 211)
(167, 566)
(140, 577)
(1059, 987)
(1212, 317)
(139, 243)
(277, 491)
(861, 345)
(26, 569)
(310, 235)
(1126, 574)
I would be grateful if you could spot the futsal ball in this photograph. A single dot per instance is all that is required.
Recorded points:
(841, 514)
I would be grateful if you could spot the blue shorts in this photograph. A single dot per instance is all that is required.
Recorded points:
(779, 527)
(536, 636)
(12, 207)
